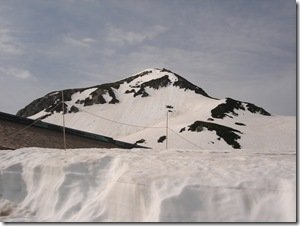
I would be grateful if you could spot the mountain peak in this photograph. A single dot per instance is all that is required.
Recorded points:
(137, 85)
(158, 78)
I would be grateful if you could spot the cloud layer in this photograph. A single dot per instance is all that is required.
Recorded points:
(242, 49)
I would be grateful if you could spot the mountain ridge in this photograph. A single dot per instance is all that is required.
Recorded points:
(114, 109)
(97, 95)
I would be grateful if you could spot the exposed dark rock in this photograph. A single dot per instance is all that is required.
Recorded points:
(254, 109)
(161, 139)
(44, 116)
(107, 86)
(145, 94)
(114, 101)
(228, 107)
(97, 97)
(128, 80)
(141, 92)
(100, 100)
(240, 124)
(113, 96)
(185, 84)
(73, 109)
(88, 102)
(154, 83)
(130, 91)
(68, 94)
(36, 106)
(166, 70)
(52, 98)
(157, 83)
(210, 119)
(47, 102)
(169, 106)
(231, 105)
(141, 141)
(228, 134)
(58, 108)
(182, 129)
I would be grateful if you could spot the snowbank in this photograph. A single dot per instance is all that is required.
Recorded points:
(147, 185)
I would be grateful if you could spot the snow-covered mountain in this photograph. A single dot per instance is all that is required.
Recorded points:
(198, 179)
(136, 109)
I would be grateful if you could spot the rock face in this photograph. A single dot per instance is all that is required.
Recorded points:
(48, 103)
(144, 99)
(228, 108)
(228, 134)
(54, 98)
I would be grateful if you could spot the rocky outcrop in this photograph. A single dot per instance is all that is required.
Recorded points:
(182, 83)
(231, 106)
(49, 103)
(228, 134)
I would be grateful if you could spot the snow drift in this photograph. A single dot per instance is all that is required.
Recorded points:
(147, 185)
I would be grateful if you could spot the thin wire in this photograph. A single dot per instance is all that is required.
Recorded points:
(31, 124)
(104, 118)
(122, 123)
(185, 139)
(133, 125)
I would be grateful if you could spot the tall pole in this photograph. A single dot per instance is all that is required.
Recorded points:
(63, 112)
(167, 125)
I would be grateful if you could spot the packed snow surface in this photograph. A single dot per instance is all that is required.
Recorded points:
(148, 185)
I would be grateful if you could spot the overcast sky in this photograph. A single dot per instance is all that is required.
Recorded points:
(244, 49)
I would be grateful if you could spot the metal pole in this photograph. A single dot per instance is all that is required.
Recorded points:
(167, 129)
(63, 112)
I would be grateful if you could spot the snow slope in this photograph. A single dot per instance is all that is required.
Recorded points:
(141, 185)
(134, 109)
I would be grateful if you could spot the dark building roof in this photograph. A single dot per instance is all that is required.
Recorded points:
(57, 128)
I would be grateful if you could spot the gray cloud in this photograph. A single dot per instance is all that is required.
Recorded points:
(243, 49)
(20, 74)
(8, 45)
(122, 37)
(78, 42)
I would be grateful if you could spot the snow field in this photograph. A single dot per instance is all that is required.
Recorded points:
(118, 185)
(136, 118)
(260, 131)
